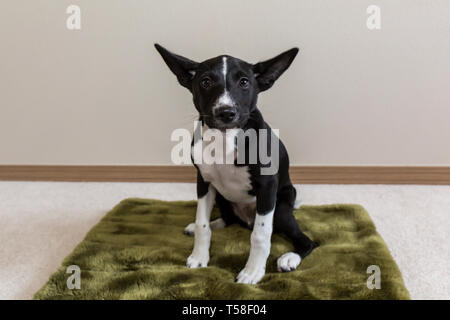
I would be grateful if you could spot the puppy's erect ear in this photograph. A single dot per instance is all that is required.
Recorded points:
(267, 72)
(182, 67)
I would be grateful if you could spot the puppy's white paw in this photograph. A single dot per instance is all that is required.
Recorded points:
(288, 262)
(190, 229)
(251, 275)
(197, 261)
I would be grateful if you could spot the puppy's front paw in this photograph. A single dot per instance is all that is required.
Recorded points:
(251, 275)
(288, 262)
(190, 229)
(197, 261)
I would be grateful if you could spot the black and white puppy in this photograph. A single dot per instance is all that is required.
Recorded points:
(225, 91)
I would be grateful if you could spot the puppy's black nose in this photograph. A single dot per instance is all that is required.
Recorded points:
(225, 115)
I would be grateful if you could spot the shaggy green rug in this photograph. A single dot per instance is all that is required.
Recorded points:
(138, 251)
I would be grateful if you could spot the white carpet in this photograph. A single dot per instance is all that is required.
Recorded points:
(41, 222)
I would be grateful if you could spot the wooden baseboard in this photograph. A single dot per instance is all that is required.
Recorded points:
(299, 174)
(371, 175)
(98, 173)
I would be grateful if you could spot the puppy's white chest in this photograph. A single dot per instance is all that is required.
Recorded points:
(232, 182)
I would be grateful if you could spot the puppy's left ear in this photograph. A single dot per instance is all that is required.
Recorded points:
(182, 67)
(267, 72)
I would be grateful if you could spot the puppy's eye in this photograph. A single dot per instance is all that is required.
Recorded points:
(205, 82)
(243, 82)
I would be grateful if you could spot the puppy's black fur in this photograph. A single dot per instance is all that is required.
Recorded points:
(243, 82)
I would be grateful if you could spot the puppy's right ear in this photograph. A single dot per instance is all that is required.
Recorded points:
(182, 67)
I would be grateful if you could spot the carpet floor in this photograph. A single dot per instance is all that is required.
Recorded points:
(138, 251)
(42, 222)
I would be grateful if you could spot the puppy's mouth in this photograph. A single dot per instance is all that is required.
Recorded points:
(220, 125)
(238, 122)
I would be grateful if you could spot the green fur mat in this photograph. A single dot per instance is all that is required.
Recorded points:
(138, 251)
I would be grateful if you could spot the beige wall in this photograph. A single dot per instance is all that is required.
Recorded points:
(102, 95)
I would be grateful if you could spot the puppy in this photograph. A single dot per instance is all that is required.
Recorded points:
(249, 192)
